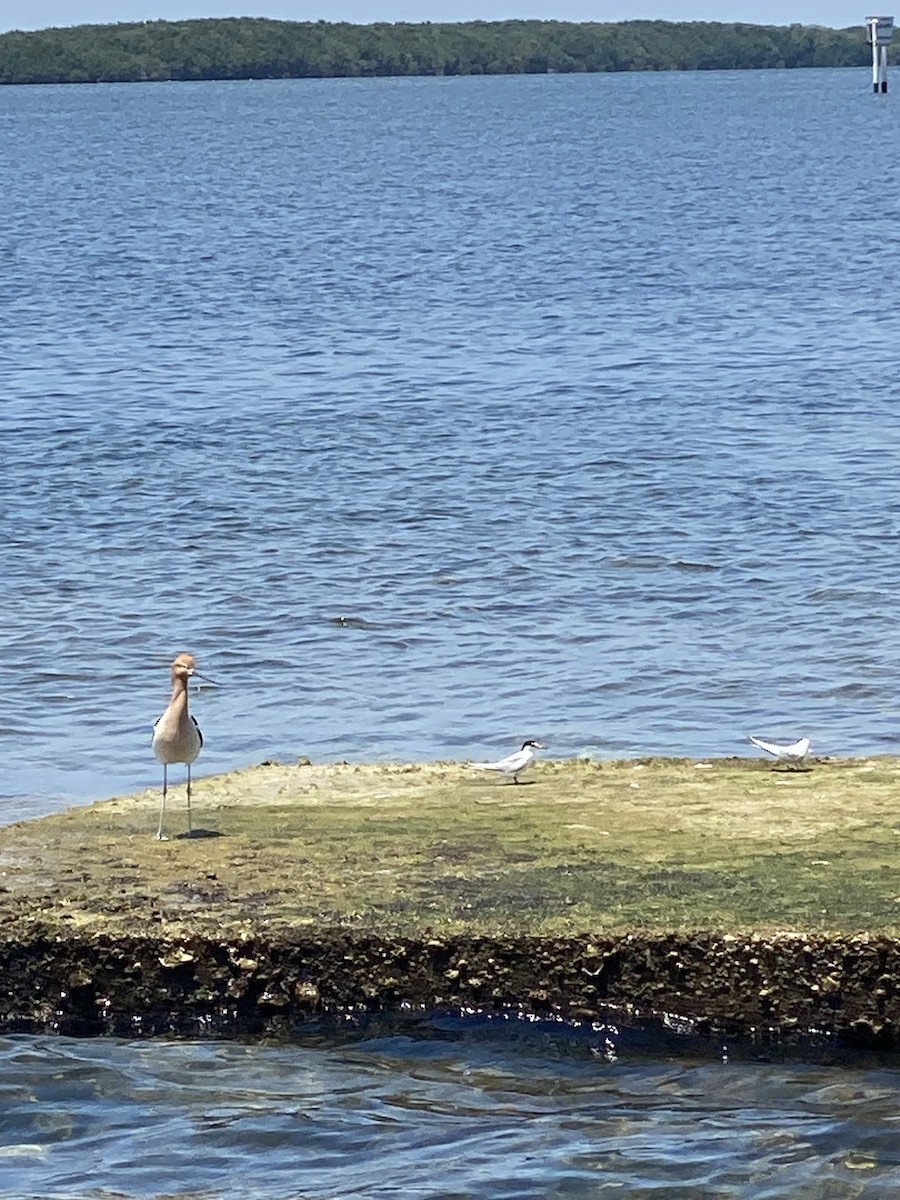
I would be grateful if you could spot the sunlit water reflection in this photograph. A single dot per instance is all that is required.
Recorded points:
(574, 396)
(448, 1115)
(570, 392)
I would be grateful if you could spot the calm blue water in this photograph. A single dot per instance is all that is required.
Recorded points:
(578, 393)
(576, 397)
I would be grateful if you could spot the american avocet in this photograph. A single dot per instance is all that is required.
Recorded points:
(176, 735)
(513, 764)
(796, 752)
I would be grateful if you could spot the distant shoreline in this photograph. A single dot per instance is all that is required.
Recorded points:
(259, 48)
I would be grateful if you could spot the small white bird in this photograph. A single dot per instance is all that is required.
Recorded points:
(176, 735)
(796, 752)
(513, 764)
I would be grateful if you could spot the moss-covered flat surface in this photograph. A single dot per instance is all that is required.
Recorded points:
(732, 845)
(689, 862)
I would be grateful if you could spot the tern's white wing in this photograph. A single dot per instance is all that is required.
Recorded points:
(512, 762)
(795, 750)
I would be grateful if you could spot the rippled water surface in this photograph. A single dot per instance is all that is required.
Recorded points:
(441, 1117)
(433, 414)
(574, 395)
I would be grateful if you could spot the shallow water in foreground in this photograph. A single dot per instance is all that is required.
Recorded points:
(448, 1115)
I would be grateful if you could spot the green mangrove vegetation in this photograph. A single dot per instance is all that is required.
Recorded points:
(257, 48)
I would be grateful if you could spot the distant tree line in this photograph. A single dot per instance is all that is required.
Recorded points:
(256, 48)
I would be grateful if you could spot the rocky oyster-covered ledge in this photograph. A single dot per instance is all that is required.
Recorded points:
(727, 898)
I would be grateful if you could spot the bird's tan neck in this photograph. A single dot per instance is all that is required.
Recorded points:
(180, 692)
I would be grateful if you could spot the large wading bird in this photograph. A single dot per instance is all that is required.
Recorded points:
(176, 735)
